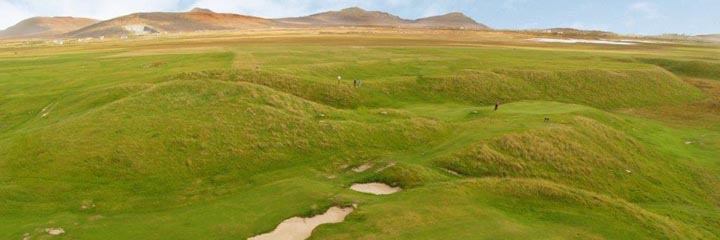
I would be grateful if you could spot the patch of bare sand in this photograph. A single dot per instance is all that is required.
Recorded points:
(297, 228)
(375, 188)
(55, 231)
(362, 168)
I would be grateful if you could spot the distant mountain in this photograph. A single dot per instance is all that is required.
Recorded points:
(450, 20)
(154, 22)
(200, 19)
(201, 10)
(347, 17)
(359, 17)
(45, 27)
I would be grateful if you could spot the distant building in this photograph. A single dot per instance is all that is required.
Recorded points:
(101, 37)
(58, 41)
(123, 37)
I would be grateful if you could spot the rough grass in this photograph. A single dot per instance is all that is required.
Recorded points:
(598, 88)
(223, 137)
(586, 154)
(489, 208)
(688, 68)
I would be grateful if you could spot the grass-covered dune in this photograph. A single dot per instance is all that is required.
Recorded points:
(593, 87)
(690, 68)
(226, 136)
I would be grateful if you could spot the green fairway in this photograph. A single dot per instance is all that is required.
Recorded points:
(225, 136)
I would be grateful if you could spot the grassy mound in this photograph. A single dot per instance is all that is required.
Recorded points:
(587, 154)
(599, 88)
(508, 209)
(699, 69)
(227, 136)
(152, 143)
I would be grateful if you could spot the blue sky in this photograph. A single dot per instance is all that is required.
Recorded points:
(623, 16)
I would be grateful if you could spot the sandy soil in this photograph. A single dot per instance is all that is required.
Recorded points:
(54, 231)
(297, 228)
(362, 168)
(375, 188)
(554, 40)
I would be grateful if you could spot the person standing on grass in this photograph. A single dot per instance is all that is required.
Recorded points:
(497, 104)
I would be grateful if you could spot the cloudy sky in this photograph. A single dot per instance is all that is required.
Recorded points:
(623, 16)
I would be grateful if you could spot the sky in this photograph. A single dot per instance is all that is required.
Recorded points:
(646, 17)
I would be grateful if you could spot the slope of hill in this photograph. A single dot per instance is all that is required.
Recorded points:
(200, 19)
(450, 20)
(347, 17)
(359, 17)
(43, 27)
(153, 22)
(710, 37)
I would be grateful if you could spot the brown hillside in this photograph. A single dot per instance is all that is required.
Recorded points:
(347, 17)
(45, 27)
(196, 20)
(450, 20)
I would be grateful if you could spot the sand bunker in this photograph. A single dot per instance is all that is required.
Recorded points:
(452, 172)
(362, 168)
(375, 188)
(297, 228)
(572, 40)
(643, 41)
(54, 231)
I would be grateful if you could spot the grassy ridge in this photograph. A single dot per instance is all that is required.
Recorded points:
(599, 88)
(587, 154)
(203, 130)
(699, 69)
(230, 140)
(490, 208)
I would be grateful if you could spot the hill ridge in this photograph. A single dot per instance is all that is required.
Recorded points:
(40, 27)
(202, 19)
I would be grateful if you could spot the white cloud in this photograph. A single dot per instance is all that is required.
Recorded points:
(11, 14)
(646, 10)
(512, 5)
(641, 14)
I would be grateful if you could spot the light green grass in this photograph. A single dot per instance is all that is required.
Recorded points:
(223, 137)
